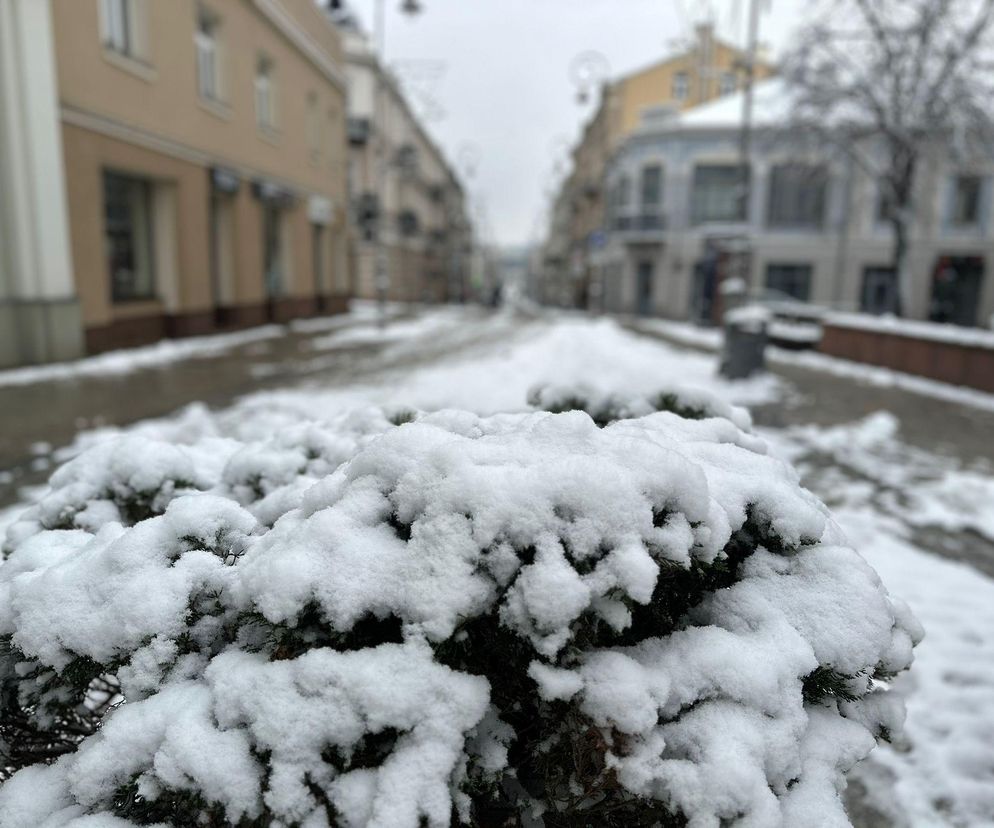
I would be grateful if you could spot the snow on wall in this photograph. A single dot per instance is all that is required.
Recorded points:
(933, 331)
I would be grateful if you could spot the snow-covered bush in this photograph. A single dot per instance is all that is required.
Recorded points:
(525, 619)
(607, 407)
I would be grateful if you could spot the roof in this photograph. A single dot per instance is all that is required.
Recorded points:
(683, 54)
(771, 106)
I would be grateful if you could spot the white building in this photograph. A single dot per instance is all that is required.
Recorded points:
(678, 224)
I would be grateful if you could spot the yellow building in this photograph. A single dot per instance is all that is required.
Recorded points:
(709, 69)
(205, 162)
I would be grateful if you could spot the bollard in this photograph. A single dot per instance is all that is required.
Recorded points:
(744, 351)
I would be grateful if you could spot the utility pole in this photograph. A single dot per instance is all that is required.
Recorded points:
(381, 276)
(745, 134)
(748, 103)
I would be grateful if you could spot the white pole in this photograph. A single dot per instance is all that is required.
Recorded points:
(745, 135)
(382, 271)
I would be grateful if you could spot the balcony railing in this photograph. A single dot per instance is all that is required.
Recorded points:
(639, 223)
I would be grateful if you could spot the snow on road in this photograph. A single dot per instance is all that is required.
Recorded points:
(883, 492)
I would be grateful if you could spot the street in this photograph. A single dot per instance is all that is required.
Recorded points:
(916, 508)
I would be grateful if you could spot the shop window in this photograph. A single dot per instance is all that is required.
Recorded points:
(272, 252)
(790, 280)
(879, 294)
(957, 282)
(128, 237)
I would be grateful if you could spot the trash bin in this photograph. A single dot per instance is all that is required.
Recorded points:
(744, 351)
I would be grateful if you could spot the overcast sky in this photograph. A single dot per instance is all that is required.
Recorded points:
(501, 76)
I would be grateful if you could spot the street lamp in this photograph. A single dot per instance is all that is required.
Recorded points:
(587, 71)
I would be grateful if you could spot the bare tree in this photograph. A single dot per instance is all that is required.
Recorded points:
(890, 80)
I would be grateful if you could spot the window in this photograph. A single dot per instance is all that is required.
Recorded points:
(681, 86)
(128, 237)
(407, 159)
(879, 293)
(620, 194)
(122, 27)
(957, 284)
(885, 200)
(334, 135)
(967, 190)
(719, 193)
(728, 83)
(265, 94)
(652, 187)
(117, 25)
(793, 280)
(313, 127)
(206, 40)
(797, 196)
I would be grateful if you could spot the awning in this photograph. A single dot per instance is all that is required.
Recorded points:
(273, 193)
(225, 180)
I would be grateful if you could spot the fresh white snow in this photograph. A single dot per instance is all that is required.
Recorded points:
(937, 332)
(939, 773)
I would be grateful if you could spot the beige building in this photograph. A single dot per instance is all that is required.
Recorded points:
(414, 237)
(204, 152)
(709, 69)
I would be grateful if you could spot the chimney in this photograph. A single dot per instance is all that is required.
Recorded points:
(705, 37)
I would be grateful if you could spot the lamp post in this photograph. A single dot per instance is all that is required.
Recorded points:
(589, 71)
(745, 139)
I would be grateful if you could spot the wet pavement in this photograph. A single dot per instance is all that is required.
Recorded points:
(39, 418)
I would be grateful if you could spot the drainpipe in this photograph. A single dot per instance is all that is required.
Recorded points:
(842, 247)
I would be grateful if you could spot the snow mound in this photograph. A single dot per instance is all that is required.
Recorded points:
(606, 407)
(461, 619)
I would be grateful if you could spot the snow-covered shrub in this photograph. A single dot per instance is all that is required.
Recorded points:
(607, 407)
(524, 619)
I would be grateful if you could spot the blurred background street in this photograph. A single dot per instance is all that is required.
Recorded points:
(223, 217)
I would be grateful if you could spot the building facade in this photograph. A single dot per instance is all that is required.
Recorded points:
(413, 233)
(708, 69)
(204, 152)
(810, 229)
(39, 313)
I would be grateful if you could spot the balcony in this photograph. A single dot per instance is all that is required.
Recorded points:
(639, 228)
